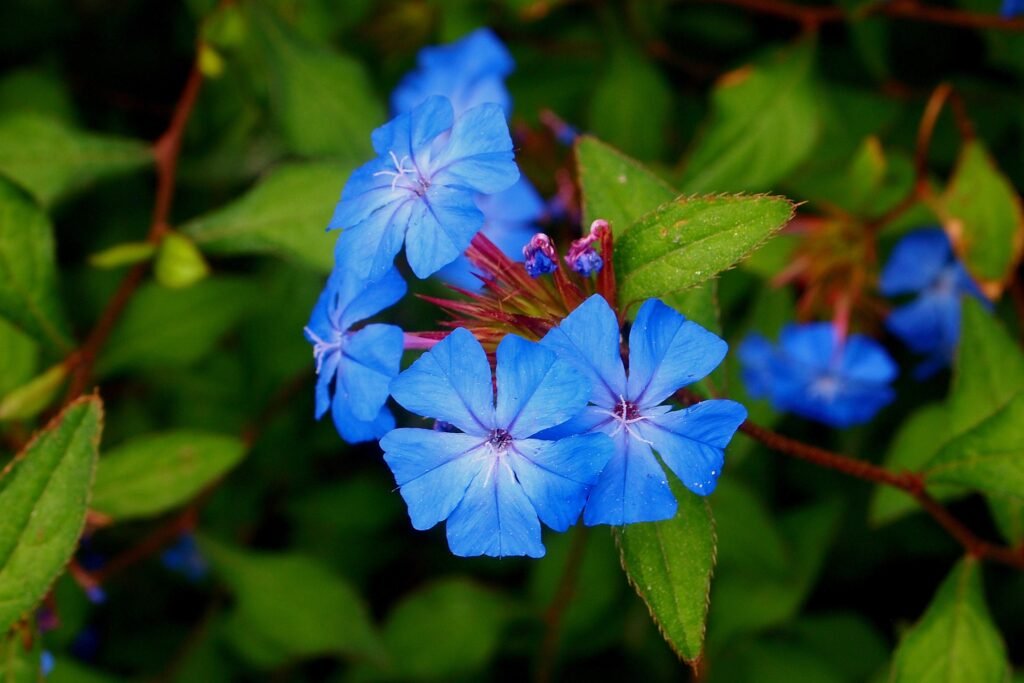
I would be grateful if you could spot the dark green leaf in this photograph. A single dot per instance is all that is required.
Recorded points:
(20, 359)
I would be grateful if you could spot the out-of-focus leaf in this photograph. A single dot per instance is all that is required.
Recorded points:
(692, 239)
(286, 214)
(289, 607)
(32, 397)
(179, 263)
(124, 254)
(747, 535)
(175, 327)
(955, 641)
(764, 122)
(846, 640)
(20, 658)
(669, 564)
(154, 473)
(51, 160)
(67, 670)
(615, 187)
(44, 494)
(20, 359)
(1008, 513)
(774, 660)
(28, 272)
(37, 91)
(982, 214)
(699, 304)
(322, 100)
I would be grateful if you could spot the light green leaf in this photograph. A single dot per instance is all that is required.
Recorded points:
(669, 564)
(154, 473)
(692, 239)
(32, 397)
(18, 663)
(764, 122)
(51, 160)
(179, 263)
(28, 272)
(289, 607)
(286, 214)
(44, 494)
(322, 100)
(615, 187)
(167, 328)
(982, 214)
(124, 254)
(955, 641)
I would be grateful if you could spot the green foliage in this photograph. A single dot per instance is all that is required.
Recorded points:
(178, 262)
(955, 641)
(19, 660)
(154, 473)
(30, 399)
(44, 493)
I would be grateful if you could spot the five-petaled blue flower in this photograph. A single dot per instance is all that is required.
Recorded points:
(354, 368)
(422, 188)
(666, 353)
(923, 263)
(469, 72)
(494, 481)
(814, 373)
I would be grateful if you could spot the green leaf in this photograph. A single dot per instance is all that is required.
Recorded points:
(179, 263)
(20, 359)
(1008, 513)
(28, 272)
(31, 398)
(764, 122)
(322, 101)
(124, 254)
(692, 239)
(669, 564)
(615, 187)
(44, 493)
(164, 328)
(286, 214)
(465, 623)
(982, 214)
(290, 607)
(51, 160)
(154, 473)
(955, 641)
(18, 663)
(699, 304)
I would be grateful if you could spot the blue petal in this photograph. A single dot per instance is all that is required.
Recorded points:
(451, 382)
(370, 359)
(921, 324)
(667, 352)
(691, 442)
(441, 226)
(865, 360)
(368, 249)
(371, 297)
(478, 154)
(812, 344)
(324, 383)
(915, 262)
(495, 517)
(354, 430)
(1011, 8)
(479, 51)
(432, 469)
(593, 418)
(557, 475)
(632, 488)
(589, 339)
(536, 390)
(409, 134)
(756, 355)
(368, 189)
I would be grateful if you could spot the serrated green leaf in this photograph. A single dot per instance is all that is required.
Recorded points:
(154, 473)
(285, 214)
(983, 216)
(669, 564)
(615, 187)
(764, 123)
(167, 328)
(955, 641)
(290, 607)
(51, 160)
(44, 495)
(322, 101)
(692, 239)
(28, 272)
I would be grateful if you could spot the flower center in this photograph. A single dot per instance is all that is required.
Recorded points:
(627, 414)
(825, 387)
(324, 347)
(499, 440)
(408, 176)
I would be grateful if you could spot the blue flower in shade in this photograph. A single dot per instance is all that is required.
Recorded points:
(814, 373)
(185, 558)
(666, 353)
(354, 368)
(469, 72)
(1012, 8)
(422, 188)
(923, 263)
(494, 481)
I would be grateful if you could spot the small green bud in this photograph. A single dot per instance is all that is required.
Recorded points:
(178, 262)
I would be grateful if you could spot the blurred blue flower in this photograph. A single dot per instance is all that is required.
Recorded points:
(469, 72)
(923, 263)
(666, 352)
(184, 558)
(1012, 8)
(354, 368)
(814, 373)
(46, 662)
(422, 188)
(494, 481)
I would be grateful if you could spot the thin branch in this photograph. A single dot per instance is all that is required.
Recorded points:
(555, 612)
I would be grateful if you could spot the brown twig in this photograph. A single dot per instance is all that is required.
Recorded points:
(555, 613)
(151, 544)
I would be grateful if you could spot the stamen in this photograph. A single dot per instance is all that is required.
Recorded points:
(400, 170)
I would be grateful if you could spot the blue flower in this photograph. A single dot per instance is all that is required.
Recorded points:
(185, 558)
(469, 72)
(1012, 8)
(814, 373)
(666, 353)
(923, 263)
(494, 481)
(422, 188)
(354, 368)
